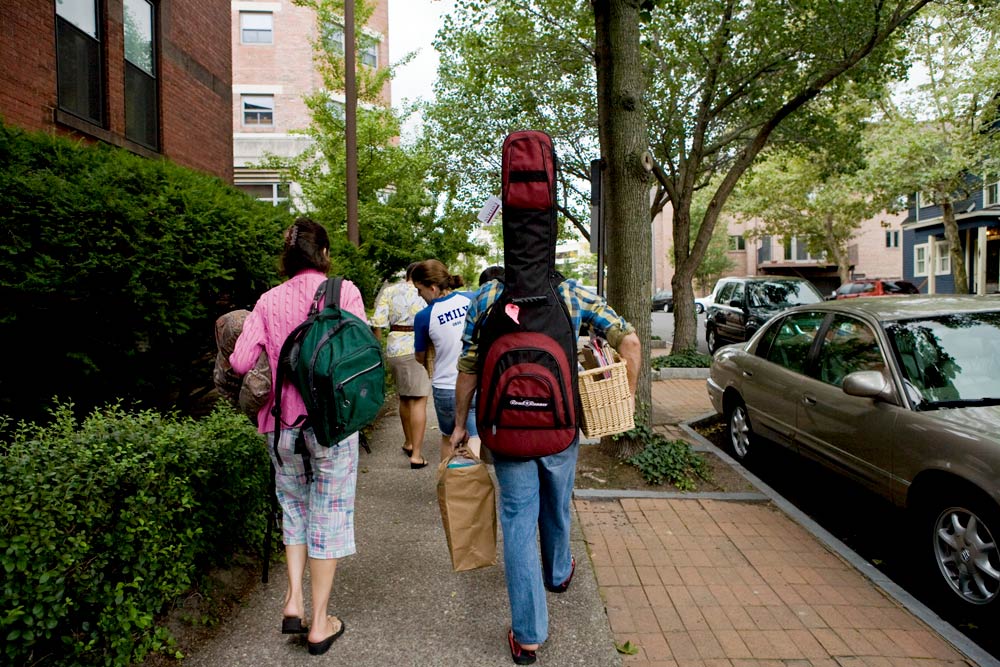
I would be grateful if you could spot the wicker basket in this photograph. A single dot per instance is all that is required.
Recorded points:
(607, 403)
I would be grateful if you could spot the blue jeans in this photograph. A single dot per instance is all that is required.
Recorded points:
(444, 407)
(535, 497)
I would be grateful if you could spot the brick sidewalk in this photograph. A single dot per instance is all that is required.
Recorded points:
(694, 582)
(707, 583)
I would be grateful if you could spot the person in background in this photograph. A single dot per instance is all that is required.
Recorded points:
(395, 308)
(494, 272)
(440, 324)
(535, 493)
(317, 517)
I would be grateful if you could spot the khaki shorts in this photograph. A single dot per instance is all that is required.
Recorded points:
(410, 377)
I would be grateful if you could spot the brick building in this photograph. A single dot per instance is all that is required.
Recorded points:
(273, 71)
(149, 76)
(875, 252)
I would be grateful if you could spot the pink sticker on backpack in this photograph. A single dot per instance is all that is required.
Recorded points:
(512, 310)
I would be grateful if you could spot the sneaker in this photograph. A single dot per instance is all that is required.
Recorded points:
(521, 656)
(561, 588)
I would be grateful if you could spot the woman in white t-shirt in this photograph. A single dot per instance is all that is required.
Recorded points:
(441, 324)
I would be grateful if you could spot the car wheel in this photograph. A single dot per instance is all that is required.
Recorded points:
(964, 549)
(698, 308)
(740, 432)
(711, 340)
(666, 307)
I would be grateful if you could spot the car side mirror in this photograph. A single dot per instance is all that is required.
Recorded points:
(736, 303)
(869, 384)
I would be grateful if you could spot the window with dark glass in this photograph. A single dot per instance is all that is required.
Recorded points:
(78, 59)
(791, 340)
(141, 107)
(848, 346)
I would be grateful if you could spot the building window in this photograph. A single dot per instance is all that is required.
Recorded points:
(141, 108)
(256, 27)
(368, 51)
(991, 193)
(737, 242)
(797, 250)
(78, 59)
(943, 266)
(258, 109)
(367, 45)
(920, 260)
(892, 239)
(275, 193)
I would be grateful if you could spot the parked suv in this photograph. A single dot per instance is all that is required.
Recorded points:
(874, 287)
(742, 305)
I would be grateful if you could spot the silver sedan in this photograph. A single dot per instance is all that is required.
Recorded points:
(901, 394)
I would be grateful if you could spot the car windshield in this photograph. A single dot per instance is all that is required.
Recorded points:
(781, 294)
(950, 360)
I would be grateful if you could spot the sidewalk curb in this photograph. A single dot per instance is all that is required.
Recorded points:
(960, 642)
(679, 374)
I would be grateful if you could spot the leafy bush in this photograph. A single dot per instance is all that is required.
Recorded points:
(682, 359)
(113, 269)
(109, 519)
(662, 460)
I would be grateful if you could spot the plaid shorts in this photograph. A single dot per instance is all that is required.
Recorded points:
(318, 514)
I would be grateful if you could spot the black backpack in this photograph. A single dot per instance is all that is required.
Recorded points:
(527, 398)
(335, 362)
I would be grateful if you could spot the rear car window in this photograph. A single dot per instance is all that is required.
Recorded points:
(899, 287)
(781, 293)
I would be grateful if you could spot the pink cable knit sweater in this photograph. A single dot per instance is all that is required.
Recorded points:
(278, 311)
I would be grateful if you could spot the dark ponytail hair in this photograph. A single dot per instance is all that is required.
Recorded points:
(305, 242)
(432, 272)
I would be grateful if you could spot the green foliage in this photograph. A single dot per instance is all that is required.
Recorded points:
(628, 648)
(113, 269)
(109, 519)
(717, 93)
(671, 461)
(401, 216)
(682, 359)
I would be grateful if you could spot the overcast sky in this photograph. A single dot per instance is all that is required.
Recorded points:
(412, 26)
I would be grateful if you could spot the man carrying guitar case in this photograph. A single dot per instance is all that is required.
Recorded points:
(519, 357)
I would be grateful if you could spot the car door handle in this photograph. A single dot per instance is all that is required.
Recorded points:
(748, 374)
(808, 400)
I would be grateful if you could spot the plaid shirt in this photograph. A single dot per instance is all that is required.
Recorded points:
(585, 307)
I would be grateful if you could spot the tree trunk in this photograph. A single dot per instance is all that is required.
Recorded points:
(954, 247)
(685, 318)
(840, 254)
(624, 148)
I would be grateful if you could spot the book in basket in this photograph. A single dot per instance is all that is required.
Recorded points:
(608, 405)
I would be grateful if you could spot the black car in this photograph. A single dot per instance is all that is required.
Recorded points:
(742, 305)
(663, 300)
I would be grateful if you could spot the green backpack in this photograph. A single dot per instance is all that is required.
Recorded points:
(335, 362)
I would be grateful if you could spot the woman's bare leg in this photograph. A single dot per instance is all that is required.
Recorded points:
(296, 556)
(321, 574)
(418, 426)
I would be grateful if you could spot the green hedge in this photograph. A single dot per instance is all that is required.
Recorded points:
(106, 521)
(113, 269)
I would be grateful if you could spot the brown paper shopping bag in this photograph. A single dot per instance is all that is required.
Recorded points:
(469, 513)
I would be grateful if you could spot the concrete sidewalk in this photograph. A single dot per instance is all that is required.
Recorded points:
(690, 580)
(402, 603)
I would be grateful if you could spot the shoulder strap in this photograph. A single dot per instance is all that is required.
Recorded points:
(333, 292)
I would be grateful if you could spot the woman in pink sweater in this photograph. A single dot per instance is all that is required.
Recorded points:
(317, 517)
